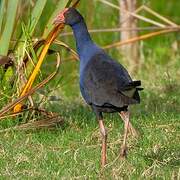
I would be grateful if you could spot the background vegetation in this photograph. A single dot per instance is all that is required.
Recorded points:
(73, 151)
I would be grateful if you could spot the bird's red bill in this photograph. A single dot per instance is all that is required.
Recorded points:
(60, 19)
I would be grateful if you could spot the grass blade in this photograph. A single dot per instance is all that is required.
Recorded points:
(142, 37)
(36, 13)
(2, 8)
(51, 37)
(8, 30)
(32, 90)
(68, 3)
(60, 6)
(35, 16)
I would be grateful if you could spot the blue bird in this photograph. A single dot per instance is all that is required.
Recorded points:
(104, 83)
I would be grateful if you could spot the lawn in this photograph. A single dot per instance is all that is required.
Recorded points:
(72, 150)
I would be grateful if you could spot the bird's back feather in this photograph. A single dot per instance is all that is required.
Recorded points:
(104, 81)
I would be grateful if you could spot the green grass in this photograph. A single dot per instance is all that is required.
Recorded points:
(72, 151)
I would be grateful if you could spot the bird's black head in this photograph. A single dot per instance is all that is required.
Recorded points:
(69, 16)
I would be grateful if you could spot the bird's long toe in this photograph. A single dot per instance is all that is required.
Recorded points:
(133, 132)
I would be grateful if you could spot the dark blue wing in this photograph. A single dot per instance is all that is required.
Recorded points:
(104, 81)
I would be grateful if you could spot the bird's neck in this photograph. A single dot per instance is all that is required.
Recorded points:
(82, 36)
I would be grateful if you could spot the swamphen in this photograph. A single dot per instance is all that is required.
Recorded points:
(105, 84)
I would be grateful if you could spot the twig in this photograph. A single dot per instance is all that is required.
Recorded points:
(15, 114)
(42, 111)
(134, 14)
(76, 3)
(68, 4)
(134, 39)
(75, 55)
(31, 79)
(51, 37)
(159, 16)
(146, 36)
(45, 123)
(20, 99)
(122, 29)
(136, 11)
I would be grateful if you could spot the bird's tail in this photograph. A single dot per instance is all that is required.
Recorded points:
(133, 84)
(136, 84)
(131, 92)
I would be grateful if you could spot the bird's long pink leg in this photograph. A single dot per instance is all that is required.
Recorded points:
(130, 128)
(104, 143)
(126, 120)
